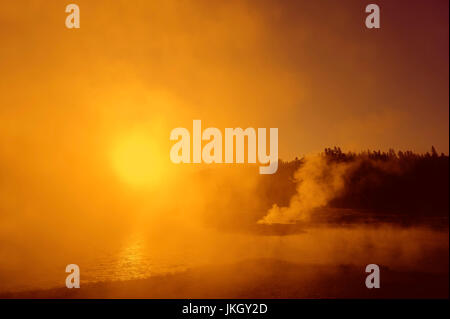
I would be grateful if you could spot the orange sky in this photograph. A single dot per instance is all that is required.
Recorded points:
(309, 68)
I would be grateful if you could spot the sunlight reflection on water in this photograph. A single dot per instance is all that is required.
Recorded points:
(131, 261)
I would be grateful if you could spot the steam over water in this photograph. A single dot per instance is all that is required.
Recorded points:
(141, 255)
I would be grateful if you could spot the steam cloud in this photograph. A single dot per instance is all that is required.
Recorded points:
(318, 182)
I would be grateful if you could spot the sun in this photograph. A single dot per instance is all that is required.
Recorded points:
(139, 160)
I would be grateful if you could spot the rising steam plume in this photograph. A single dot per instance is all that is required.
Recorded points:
(318, 182)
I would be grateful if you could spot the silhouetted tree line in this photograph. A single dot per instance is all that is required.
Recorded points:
(335, 154)
(400, 182)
